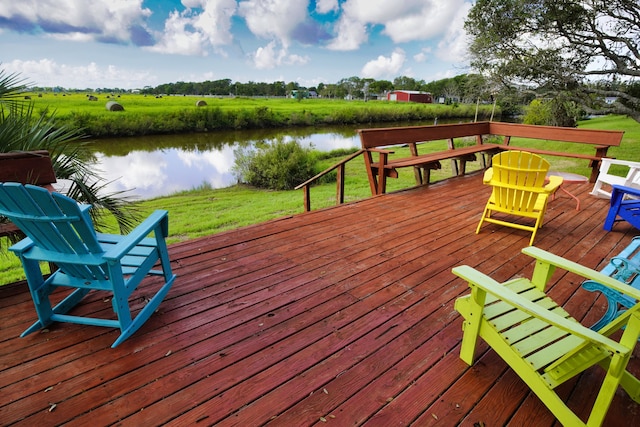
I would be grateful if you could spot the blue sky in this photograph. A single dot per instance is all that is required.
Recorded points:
(135, 43)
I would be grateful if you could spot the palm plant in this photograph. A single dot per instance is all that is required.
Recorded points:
(24, 129)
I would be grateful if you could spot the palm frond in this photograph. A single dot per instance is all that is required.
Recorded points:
(24, 129)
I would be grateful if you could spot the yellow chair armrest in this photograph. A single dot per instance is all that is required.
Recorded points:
(488, 175)
(554, 183)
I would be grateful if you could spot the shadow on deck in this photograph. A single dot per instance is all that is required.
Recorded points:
(342, 316)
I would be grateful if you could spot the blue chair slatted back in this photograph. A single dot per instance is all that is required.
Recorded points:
(57, 225)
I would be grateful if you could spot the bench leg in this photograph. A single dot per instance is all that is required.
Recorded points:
(418, 174)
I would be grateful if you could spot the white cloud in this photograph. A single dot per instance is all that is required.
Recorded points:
(431, 21)
(192, 33)
(273, 19)
(178, 39)
(266, 57)
(351, 34)
(385, 66)
(98, 19)
(403, 22)
(215, 20)
(422, 55)
(453, 46)
(269, 57)
(381, 11)
(326, 6)
(293, 59)
(47, 72)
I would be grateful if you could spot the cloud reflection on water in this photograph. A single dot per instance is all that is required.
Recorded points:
(167, 170)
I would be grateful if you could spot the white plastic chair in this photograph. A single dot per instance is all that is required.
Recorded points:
(632, 179)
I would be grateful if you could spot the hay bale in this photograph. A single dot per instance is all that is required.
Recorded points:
(92, 98)
(114, 106)
(201, 103)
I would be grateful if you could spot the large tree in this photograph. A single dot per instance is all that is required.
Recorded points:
(585, 48)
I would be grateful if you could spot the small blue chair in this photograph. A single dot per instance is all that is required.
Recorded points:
(60, 231)
(625, 206)
(624, 267)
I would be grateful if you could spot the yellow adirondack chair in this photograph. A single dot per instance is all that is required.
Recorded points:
(541, 342)
(518, 180)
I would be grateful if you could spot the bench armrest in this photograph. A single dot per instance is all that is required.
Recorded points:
(381, 151)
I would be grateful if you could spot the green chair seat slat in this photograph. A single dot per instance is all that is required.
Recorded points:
(553, 351)
(528, 327)
(503, 315)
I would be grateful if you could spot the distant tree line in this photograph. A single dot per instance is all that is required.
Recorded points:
(461, 88)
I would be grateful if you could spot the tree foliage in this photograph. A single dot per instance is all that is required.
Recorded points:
(586, 48)
(464, 87)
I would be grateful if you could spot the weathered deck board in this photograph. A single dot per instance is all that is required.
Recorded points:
(342, 316)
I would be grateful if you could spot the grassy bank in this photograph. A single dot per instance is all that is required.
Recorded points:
(204, 211)
(147, 115)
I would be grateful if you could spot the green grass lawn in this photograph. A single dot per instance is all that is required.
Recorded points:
(205, 211)
(67, 104)
(148, 115)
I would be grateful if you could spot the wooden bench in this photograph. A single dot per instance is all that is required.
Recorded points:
(373, 139)
(382, 140)
(625, 267)
(601, 140)
(25, 167)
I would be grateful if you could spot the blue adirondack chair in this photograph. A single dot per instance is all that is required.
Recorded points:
(624, 267)
(625, 206)
(60, 231)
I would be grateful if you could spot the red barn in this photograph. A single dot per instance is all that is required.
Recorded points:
(410, 96)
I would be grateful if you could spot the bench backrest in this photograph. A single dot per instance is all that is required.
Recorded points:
(608, 138)
(380, 137)
(27, 167)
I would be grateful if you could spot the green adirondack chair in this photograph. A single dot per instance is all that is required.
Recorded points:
(541, 342)
(60, 231)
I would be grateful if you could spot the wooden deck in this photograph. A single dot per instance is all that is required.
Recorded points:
(336, 317)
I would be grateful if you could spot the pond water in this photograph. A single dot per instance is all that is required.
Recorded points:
(153, 166)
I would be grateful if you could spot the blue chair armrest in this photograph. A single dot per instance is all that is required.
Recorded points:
(22, 246)
(158, 221)
(626, 190)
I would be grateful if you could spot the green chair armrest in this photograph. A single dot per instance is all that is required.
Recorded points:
(587, 273)
(503, 293)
